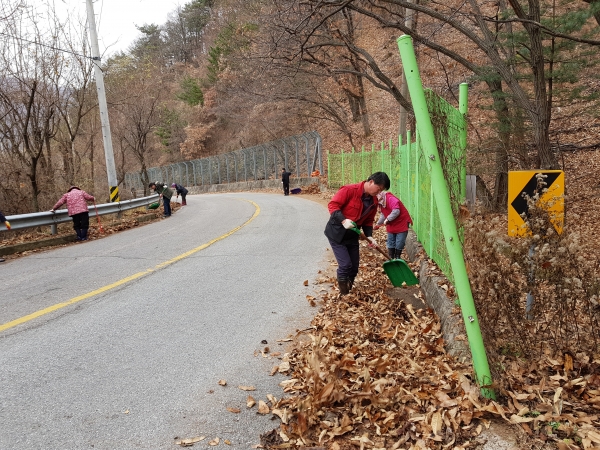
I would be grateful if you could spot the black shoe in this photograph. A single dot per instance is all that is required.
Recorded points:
(344, 285)
(2, 260)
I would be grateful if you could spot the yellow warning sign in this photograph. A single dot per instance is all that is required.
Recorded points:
(547, 185)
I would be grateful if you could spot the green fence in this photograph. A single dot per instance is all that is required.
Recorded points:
(410, 175)
(429, 177)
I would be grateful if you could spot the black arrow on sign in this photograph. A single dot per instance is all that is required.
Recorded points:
(530, 189)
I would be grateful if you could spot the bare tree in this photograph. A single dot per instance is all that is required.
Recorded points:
(135, 96)
(28, 99)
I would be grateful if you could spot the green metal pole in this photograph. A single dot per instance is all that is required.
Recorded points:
(400, 163)
(419, 227)
(353, 166)
(463, 95)
(342, 167)
(328, 167)
(438, 183)
(362, 164)
(372, 156)
(411, 193)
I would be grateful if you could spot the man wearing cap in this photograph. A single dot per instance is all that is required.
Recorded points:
(165, 193)
(180, 190)
(353, 208)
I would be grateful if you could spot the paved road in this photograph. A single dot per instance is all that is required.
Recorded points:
(113, 364)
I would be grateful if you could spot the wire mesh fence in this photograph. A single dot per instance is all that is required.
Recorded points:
(301, 155)
(409, 173)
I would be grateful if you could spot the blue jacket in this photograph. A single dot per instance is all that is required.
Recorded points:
(180, 190)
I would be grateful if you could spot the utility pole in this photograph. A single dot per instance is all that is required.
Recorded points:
(106, 137)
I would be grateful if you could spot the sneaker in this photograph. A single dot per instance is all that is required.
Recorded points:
(2, 260)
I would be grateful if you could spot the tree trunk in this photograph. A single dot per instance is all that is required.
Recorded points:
(364, 114)
(541, 116)
(504, 133)
(32, 175)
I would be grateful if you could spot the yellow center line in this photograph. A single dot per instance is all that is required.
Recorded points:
(123, 281)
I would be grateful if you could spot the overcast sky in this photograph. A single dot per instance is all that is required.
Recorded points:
(116, 19)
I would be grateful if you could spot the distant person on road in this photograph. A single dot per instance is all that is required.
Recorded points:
(6, 224)
(179, 189)
(165, 193)
(285, 179)
(76, 200)
(396, 219)
(353, 208)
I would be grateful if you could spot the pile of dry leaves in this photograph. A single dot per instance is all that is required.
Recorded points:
(373, 373)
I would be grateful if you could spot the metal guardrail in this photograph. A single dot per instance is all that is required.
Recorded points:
(31, 220)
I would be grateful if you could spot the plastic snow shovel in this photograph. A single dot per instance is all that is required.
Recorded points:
(398, 271)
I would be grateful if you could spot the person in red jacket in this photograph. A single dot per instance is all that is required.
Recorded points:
(396, 219)
(353, 208)
(76, 200)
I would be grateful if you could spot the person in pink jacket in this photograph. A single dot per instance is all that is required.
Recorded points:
(76, 200)
(396, 219)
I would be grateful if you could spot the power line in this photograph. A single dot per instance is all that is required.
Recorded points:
(48, 46)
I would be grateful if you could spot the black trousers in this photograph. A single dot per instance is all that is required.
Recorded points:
(286, 188)
(81, 220)
(347, 255)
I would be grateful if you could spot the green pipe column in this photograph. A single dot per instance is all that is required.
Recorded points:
(342, 153)
(463, 95)
(328, 169)
(438, 182)
(353, 166)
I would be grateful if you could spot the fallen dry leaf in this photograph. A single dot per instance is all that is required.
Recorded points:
(247, 388)
(262, 407)
(234, 410)
(190, 441)
(223, 382)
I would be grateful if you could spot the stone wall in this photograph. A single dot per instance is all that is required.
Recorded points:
(436, 298)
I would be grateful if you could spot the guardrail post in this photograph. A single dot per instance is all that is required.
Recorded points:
(53, 229)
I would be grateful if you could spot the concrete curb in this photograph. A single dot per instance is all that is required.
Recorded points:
(436, 298)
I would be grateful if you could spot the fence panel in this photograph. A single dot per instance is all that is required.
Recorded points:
(410, 177)
(299, 154)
